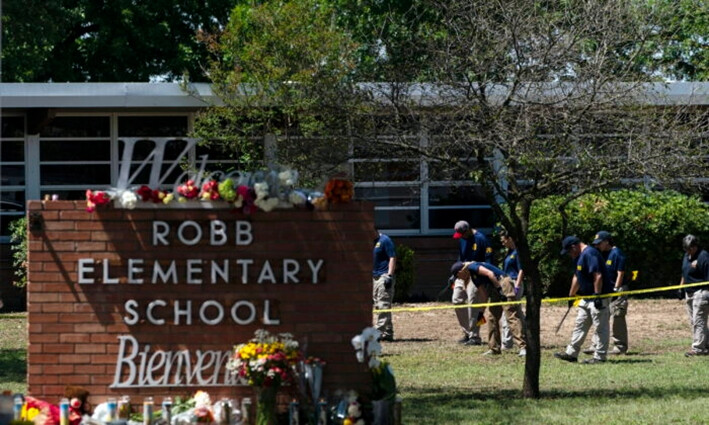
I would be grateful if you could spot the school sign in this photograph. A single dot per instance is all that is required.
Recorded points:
(150, 302)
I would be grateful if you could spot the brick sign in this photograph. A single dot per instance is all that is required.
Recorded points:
(150, 302)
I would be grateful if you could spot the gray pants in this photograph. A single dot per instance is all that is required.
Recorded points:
(383, 299)
(698, 310)
(589, 315)
(467, 317)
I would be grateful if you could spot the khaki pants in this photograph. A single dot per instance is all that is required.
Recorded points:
(509, 335)
(698, 310)
(493, 316)
(467, 293)
(383, 299)
(588, 315)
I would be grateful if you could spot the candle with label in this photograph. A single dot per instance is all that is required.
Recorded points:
(147, 411)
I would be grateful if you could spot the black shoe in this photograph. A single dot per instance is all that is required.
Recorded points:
(474, 341)
(387, 338)
(463, 340)
(593, 361)
(693, 353)
(566, 357)
(589, 350)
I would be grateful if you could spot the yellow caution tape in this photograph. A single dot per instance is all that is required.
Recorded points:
(544, 300)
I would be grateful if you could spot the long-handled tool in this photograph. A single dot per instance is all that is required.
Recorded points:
(563, 318)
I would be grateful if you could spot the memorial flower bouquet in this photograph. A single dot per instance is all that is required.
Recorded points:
(339, 191)
(368, 350)
(266, 362)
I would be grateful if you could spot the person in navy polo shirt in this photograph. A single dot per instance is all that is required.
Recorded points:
(512, 320)
(590, 278)
(383, 283)
(489, 281)
(695, 269)
(615, 264)
(472, 246)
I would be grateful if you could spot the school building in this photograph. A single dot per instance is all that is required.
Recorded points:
(63, 138)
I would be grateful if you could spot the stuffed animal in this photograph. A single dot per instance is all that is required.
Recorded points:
(44, 413)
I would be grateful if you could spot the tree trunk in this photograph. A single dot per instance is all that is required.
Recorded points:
(533, 360)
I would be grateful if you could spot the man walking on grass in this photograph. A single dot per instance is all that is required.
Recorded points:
(590, 278)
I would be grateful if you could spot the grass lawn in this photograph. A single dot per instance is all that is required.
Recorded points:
(443, 382)
(13, 352)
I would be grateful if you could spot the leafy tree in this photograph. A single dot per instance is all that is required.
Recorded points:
(102, 41)
(528, 99)
(681, 45)
(285, 77)
(532, 99)
(647, 225)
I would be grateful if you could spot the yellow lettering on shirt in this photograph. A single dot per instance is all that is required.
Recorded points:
(578, 267)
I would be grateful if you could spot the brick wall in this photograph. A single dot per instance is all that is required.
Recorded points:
(74, 328)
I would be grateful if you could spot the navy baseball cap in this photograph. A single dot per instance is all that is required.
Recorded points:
(600, 237)
(456, 267)
(568, 242)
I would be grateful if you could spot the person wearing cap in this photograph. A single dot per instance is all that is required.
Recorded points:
(489, 281)
(615, 264)
(590, 278)
(383, 283)
(695, 269)
(473, 246)
(512, 320)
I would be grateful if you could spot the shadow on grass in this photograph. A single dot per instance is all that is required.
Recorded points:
(13, 365)
(409, 340)
(443, 395)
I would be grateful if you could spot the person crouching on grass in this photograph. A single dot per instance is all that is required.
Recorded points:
(489, 281)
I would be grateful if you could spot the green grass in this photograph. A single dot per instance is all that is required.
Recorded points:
(444, 383)
(658, 389)
(13, 352)
(654, 384)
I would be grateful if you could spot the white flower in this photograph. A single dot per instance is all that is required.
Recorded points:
(357, 342)
(261, 190)
(202, 399)
(297, 198)
(127, 199)
(239, 201)
(374, 348)
(266, 204)
(371, 334)
(286, 178)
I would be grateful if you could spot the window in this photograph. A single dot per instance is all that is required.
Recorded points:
(417, 196)
(12, 172)
(75, 154)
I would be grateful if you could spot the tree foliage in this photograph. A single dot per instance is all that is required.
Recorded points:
(533, 99)
(647, 225)
(290, 78)
(528, 99)
(104, 41)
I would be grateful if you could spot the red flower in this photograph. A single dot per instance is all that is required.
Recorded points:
(145, 193)
(188, 189)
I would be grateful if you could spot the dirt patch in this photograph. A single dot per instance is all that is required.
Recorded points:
(648, 321)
